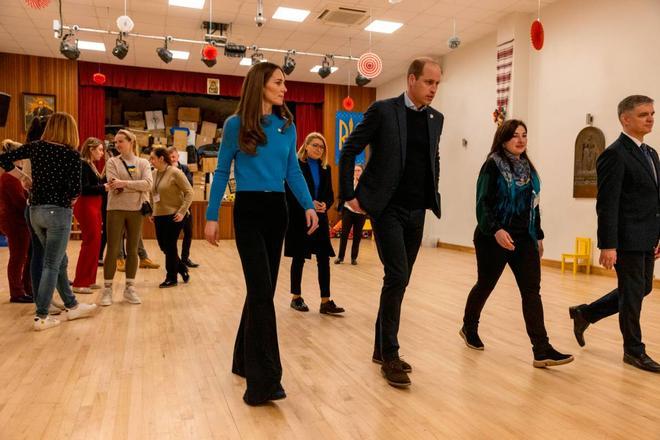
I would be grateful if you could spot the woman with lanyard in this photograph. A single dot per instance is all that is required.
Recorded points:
(509, 232)
(313, 161)
(261, 141)
(171, 196)
(129, 182)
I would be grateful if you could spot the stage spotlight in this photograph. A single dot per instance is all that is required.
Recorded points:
(257, 58)
(121, 48)
(164, 53)
(69, 47)
(289, 64)
(325, 70)
(233, 50)
(361, 80)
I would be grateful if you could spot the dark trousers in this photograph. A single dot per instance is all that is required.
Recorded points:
(356, 221)
(18, 266)
(525, 263)
(167, 234)
(260, 220)
(398, 233)
(323, 264)
(634, 271)
(187, 237)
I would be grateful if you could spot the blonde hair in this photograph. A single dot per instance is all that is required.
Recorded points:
(9, 145)
(86, 153)
(128, 134)
(302, 152)
(62, 129)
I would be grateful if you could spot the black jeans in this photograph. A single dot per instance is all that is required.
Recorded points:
(356, 221)
(187, 237)
(398, 232)
(525, 263)
(167, 234)
(634, 271)
(260, 220)
(323, 264)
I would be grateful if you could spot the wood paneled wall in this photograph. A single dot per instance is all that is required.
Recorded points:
(334, 94)
(29, 74)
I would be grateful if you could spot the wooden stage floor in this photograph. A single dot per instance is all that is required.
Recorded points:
(162, 370)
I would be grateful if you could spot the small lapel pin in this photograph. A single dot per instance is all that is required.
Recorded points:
(279, 130)
(431, 115)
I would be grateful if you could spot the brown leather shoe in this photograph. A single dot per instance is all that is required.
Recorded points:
(146, 263)
(404, 365)
(393, 373)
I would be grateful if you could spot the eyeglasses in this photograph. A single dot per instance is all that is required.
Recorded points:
(320, 146)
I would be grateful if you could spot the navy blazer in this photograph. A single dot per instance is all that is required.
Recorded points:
(628, 201)
(384, 129)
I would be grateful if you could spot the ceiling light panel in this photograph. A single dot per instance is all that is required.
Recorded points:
(193, 4)
(91, 45)
(383, 26)
(291, 14)
(316, 69)
(180, 54)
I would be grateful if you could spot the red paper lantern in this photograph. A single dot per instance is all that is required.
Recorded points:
(348, 103)
(98, 78)
(537, 34)
(209, 52)
(37, 4)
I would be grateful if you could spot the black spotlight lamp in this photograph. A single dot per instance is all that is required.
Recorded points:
(69, 47)
(164, 53)
(121, 48)
(361, 80)
(289, 64)
(325, 69)
(233, 50)
(257, 58)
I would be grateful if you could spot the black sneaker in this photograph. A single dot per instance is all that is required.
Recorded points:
(354, 262)
(339, 260)
(188, 262)
(330, 308)
(551, 358)
(299, 304)
(393, 373)
(405, 366)
(471, 339)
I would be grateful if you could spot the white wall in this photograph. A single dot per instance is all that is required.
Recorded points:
(596, 52)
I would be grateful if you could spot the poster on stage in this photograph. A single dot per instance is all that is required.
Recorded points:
(212, 86)
(155, 120)
(36, 106)
(344, 125)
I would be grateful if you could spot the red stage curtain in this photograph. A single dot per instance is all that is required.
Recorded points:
(308, 118)
(157, 80)
(91, 112)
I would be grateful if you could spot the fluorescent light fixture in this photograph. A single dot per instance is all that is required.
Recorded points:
(180, 54)
(290, 14)
(91, 45)
(316, 69)
(247, 61)
(194, 4)
(382, 26)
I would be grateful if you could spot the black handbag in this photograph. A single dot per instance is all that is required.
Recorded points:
(145, 209)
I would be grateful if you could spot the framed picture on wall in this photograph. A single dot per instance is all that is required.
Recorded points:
(212, 86)
(36, 106)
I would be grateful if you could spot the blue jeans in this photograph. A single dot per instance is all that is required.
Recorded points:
(52, 226)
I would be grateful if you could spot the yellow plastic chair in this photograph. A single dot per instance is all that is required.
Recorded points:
(581, 257)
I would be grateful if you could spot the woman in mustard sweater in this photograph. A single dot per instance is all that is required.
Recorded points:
(171, 195)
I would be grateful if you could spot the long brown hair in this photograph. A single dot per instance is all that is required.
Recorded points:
(61, 128)
(86, 153)
(250, 107)
(504, 134)
(302, 152)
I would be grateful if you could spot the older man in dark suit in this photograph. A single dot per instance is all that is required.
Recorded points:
(399, 183)
(628, 208)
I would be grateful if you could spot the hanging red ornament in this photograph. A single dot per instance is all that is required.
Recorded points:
(37, 4)
(348, 103)
(209, 52)
(98, 78)
(537, 34)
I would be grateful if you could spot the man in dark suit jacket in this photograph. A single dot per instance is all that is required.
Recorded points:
(398, 184)
(187, 221)
(628, 208)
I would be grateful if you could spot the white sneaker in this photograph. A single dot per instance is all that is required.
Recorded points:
(96, 287)
(83, 310)
(44, 323)
(131, 296)
(83, 290)
(55, 308)
(106, 297)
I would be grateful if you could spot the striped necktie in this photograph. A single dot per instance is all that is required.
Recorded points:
(647, 152)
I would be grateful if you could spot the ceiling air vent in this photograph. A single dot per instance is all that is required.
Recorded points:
(342, 16)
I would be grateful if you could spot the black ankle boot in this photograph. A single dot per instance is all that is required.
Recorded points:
(471, 338)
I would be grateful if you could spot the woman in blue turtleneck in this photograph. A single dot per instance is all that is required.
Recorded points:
(261, 141)
(313, 161)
